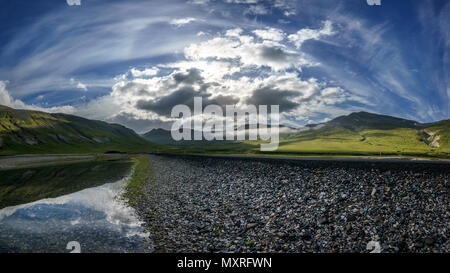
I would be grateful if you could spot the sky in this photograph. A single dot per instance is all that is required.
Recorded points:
(130, 62)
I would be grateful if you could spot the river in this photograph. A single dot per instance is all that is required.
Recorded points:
(94, 218)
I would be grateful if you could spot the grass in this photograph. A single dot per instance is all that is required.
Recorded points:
(365, 142)
(400, 142)
(141, 181)
(33, 132)
(66, 134)
(395, 142)
(135, 186)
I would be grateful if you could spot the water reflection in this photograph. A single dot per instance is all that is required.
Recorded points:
(94, 217)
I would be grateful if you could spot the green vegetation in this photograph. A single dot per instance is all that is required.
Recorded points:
(33, 132)
(368, 142)
(250, 243)
(142, 181)
(336, 141)
(142, 172)
(358, 134)
(26, 185)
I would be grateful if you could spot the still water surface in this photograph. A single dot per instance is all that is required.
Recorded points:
(94, 217)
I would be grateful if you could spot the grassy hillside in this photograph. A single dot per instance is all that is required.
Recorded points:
(400, 141)
(23, 131)
(358, 134)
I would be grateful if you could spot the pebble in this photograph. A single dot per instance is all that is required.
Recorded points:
(203, 204)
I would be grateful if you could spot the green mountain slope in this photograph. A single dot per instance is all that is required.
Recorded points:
(360, 134)
(364, 120)
(371, 134)
(23, 131)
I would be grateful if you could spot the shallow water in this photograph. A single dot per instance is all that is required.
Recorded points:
(95, 218)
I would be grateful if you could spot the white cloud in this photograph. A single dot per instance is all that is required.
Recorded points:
(257, 10)
(235, 32)
(270, 34)
(232, 64)
(73, 2)
(221, 64)
(146, 72)
(309, 34)
(135, 32)
(288, 13)
(258, 7)
(182, 21)
(82, 86)
(79, 84)
(7, 100)
(287, 6)
(242, 1)
(237, 47)
(198, 2)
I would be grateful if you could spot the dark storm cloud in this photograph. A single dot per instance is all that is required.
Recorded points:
(225, 100)
(205, 86)
(270, 96)
(163, 106)
(135, 88)
(275, 54)
(192, 76)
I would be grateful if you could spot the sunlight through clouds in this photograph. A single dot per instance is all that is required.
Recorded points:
(131, 58)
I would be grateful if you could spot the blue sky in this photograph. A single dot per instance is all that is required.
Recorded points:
(130, 61)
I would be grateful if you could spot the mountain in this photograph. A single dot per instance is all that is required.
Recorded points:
(364, 120)
(367, 133)
(25, 131)
(360, 133)
(162, 136)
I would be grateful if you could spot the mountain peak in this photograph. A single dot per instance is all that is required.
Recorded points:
(365, 120)
(34, 131)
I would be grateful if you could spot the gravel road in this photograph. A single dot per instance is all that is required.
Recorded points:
(202, 204)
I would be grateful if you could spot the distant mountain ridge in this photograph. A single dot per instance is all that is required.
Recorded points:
(26, 131)
(354, 121)
(163, 136)
(363, 132)
(359, 120)
(382, 131)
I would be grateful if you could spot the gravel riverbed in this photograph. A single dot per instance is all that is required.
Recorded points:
(201, 204)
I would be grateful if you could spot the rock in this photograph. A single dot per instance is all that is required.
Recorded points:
(374, 190)
(306, 235)
(351, 217)
(324, 220)
(348, 227)
(335, 207)
(429, 241)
